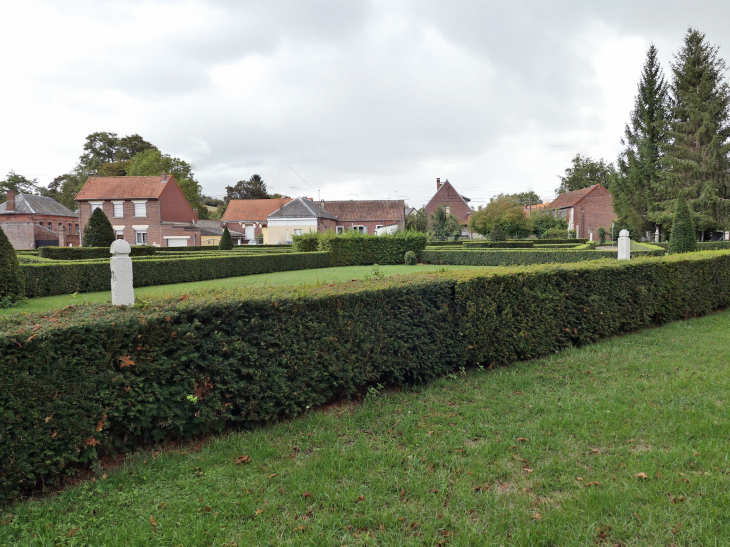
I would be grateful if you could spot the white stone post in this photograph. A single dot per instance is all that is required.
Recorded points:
(121, 265)
(624, 245)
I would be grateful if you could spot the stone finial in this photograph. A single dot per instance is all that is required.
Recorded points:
(121, 267)
(624, 245)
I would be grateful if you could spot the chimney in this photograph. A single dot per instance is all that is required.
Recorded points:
(438, 183)
(163, 176)
(11, 201)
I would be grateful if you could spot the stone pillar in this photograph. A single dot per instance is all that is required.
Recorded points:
(61, 236)
(624, 245)
(656, 235)
(121, 266)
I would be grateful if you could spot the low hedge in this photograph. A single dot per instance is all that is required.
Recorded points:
(498, 245)
(550, 241)
(91, 276)
(87, 253)
(433, 243)
(84, 381)
(505, 257)
(198, 248)
(352, 249)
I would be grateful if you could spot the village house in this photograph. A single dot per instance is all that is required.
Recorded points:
(249, 217)
(586, 210)
(142, 210)
(212, 230)
(299, 216)
(35, 221)
(455, 204)
(367, 216)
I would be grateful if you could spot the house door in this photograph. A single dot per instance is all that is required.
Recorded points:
(249, 232)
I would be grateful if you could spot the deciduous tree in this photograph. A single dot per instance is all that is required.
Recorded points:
(503, 212)
(585, 172)
(253, 188)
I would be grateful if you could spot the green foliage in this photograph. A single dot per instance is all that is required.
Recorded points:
(354, 249)
(418, 221)
(65, 187)
(305, 243)
(523, 198)
(90, 253)
(432, 243)
(502, 216)
(602, 235)
(499, 257)
(226, 241)
(410, 258)
(547, 221)
(18, 184)
(90, 276)
(571, 234)
(683, 237)
(498, 244)
(561, 239)
(444, 226)
(110, 155)
(12, 288)
(696, 155)
(98, 231)
(586, 172)
(96, 379)
(556, 233)
(253, 188)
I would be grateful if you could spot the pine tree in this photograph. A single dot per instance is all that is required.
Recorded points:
(683, 237)
(695, 157)
(634, 190)
(98, 231)
(226, 242)
(12, 284)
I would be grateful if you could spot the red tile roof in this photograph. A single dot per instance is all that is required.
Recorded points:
(537, 207)
(366, 210)
(569, 199)
(123, 187)
(255, 210)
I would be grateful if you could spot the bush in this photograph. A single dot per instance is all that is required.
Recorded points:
(520, 257)
(352, 249)
(90, 276)
(12, 288)
(214, 248)
(498, 245)
(98, 231)
(683, 238)
(92, 379)
(305, 243)
(602, 235)
(90, 253)
(411, 259)
(541, 242)
(497, 234)
(555, 233)
(226, 241)
(433, 243)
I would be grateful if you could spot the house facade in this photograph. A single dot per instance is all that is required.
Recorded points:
(367, 216)
(250, 217)
(212, 230)
(455, 204)
(35, 221)
(142, 210)
(586, 210)
(299, 216)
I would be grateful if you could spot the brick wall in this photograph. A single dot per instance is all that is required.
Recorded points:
(592, 212)
(447, 196)
(20, 234)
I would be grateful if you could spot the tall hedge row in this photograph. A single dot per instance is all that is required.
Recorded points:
(486, 244)
(359, 250)
(96, 378)
(89, 253)
(518, 257)
(90, 276)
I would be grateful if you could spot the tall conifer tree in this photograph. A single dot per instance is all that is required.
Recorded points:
(634, 190)
(695, 160)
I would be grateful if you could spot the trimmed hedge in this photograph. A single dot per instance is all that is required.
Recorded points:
(305, 243)
(91, 276)
(89, 253)
(445, 243)
(96, 378)
(364, 250)
(550, 241)
(519, 257)
(498, 244)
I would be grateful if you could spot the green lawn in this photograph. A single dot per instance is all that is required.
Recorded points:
(298, 277)
(624, 442)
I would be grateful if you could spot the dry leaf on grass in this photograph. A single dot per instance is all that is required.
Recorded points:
(72, 532)
(641, 476)
(243, 459)
(522, 440)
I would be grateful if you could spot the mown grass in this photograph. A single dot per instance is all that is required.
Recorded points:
(624, 442)
(299, 277)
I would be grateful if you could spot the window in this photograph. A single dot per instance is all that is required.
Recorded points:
(360, 229)
(297, 231)
(120, 234)
(77, 228)
(97, 205)
(448, 210)
(340, 230)
(140, 208)
(50, 226)
(69, 229)
(118, 209)
(378, 226)
(140, 237)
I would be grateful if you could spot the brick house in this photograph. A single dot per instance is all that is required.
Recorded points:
(586, 210)
(142, 210)
(299, 216)
(366, 216)
(249, 216)
(35, 221)
(447, 196)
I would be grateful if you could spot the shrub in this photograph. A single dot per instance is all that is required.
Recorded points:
(97, 378)
(98, 231)
(11, 280)
(555, 233)
(541, 242)
(497, 257)
(683, 238)
(572, 234)
(497, 234)
(602, 235)
(90, 276)
(305, 243)
(352, 249)
(90, 253)
(226, 241)
(411, 259)
(498, 245)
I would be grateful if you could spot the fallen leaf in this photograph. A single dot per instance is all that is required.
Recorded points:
(402, 493)
(243, 459)
(641, 476)
(153, 522)
(259, 511)
(522, 440)
(527, 470)
(306, 495)
(271, 476)
(580, 478)
(361, 498)
(537, 516)
(482, 488)
(630, 441)
(72, 532)
(592, 483)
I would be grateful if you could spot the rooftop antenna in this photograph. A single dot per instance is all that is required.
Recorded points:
(319, 197)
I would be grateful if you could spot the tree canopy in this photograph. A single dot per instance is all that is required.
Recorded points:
(503, 212)
(109, 155)
(443, 226)
(18, 184)
(98, 231)
(585, 172)
(253, 188)
(523, 198)
(417, 221)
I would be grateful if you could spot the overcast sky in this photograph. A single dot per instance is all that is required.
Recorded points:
(363, 99)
